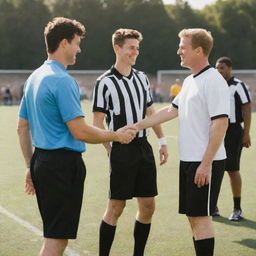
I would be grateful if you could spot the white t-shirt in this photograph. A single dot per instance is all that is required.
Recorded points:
(203, 98)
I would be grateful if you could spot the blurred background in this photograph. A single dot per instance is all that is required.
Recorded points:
(231, 22)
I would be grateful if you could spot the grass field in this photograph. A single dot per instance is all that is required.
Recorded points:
(170, 234)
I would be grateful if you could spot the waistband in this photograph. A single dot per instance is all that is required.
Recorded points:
(58, 150)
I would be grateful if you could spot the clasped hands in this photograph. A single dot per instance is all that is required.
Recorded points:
(127, 133)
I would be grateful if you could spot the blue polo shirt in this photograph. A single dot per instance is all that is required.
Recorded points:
(51, 98)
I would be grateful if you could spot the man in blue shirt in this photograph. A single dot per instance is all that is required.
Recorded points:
(51, 119)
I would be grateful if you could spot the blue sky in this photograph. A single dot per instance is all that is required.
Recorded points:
(196, 4)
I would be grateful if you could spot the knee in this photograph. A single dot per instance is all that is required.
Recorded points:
(147, 209)
(115, 210)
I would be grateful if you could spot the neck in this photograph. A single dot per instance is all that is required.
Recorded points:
(58, 57)
(199, 66)
(123, 69)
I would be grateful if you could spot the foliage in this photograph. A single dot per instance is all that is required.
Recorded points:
(231, 22)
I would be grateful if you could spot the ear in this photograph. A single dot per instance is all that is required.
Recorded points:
(116, 48)
(63, 43)
(199, 50)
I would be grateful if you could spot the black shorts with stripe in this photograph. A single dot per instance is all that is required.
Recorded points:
(233, 146)
(194, 201)
(58, 177)
(132, 170)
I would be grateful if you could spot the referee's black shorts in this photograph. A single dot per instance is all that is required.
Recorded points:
(133, 170)
(194, 201)
(233, 145)
(58, 177)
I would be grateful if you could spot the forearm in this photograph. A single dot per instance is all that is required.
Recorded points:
(217, 133)
(95, 135)
(247, 118)
(163, 115)
(25, 145)
(99, 123)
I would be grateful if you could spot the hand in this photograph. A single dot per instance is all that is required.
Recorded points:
(163, 152)
(29, 186)
(246, 140)
(203, 175)
(126, 134)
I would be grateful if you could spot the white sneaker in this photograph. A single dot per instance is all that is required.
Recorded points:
(236, 215)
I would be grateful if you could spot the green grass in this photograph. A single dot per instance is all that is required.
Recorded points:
(170, 234)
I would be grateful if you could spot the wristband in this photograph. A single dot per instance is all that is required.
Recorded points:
(162, 141)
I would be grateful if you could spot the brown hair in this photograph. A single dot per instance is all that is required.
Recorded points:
(121, 34)
(61, 28)
(199, 38)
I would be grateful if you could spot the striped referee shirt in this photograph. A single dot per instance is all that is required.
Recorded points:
(123, 99)
(239, 96)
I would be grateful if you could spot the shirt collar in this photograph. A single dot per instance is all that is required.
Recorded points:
(200, 72)
(119, 75)
(54, 62)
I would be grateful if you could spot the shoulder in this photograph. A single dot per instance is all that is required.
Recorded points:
(105, 76)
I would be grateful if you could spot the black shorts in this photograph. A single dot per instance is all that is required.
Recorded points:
(194, 201)
(233, 145)
(58, 177)
(133, 170)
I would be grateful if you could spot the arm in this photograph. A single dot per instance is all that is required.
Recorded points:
(217, 133)
(90, 134)
(246, 111)
(98, 121)
(26, 148)
(163, 115)
(163, 150)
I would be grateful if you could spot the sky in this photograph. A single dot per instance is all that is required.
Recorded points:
(196, 4)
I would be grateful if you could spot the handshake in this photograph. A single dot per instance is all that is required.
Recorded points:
(126, 134)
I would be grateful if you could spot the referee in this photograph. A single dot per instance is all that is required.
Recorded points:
(122, 95)
(237, 136)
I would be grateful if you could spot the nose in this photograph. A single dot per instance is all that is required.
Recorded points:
(178, 51)
(78, 50)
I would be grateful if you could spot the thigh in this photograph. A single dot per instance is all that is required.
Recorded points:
(233, 146)
(59, 182)
(123, 171)
(146, 180)
(194, 201)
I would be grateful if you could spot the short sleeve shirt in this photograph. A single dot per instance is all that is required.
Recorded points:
(203, 98)
(51, 98)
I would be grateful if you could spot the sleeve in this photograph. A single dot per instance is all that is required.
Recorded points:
(100, 97)
(23, 109)
(175, 102)
(149, 92)
(243, 93)
(218, 97)
(68, 99)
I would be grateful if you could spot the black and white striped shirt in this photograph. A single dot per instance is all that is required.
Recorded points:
(238, 96)
(123, 99)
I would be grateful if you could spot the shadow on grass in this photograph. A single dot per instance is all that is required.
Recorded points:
(243, 223)
(250, 243)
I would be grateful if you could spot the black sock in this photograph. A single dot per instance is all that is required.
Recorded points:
(204, 247)
(141, 232)
(107, 234)
(237, 203)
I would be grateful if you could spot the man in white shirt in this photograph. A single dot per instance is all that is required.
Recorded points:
(202, 107)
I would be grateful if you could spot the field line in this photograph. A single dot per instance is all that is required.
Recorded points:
(27, 225)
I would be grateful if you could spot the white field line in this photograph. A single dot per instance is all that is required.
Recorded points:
(27, 225)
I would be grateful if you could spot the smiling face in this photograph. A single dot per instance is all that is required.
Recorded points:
(128, 52)
(188, 55)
